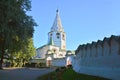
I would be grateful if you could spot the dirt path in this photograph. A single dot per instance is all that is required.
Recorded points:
(23, 73)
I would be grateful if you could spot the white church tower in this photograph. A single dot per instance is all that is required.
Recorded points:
(57, 33)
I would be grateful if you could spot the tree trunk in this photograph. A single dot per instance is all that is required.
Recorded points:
(23, 61)
(1, 60)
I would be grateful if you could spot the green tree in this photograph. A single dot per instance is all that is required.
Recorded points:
(16, 27)
(28, 51)
(19, 59)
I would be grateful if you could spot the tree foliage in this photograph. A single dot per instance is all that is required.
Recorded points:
(18, 59)
(16, 27)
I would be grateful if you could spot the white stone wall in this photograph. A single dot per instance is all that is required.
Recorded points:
(59, 62)
(40, 52)
(103, 58)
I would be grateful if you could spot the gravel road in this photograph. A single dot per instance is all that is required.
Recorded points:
(23, 73)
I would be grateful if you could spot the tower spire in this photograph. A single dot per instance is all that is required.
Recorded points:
(57, 25)
(57, 11)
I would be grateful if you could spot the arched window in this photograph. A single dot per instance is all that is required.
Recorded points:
(54, 50)
(51, 34)
(58, 35)
(63, 37)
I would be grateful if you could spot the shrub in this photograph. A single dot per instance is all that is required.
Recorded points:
(57, 70)
(69, 66)
(63, 67)
(30, 64)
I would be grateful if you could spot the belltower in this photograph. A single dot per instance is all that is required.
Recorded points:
(57, 33)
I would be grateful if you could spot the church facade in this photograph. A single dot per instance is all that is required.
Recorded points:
(54, 53)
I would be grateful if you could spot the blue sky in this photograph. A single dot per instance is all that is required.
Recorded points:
(84, 21)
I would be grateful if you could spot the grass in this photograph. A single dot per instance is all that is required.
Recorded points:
(72, 75)
(69, 74)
